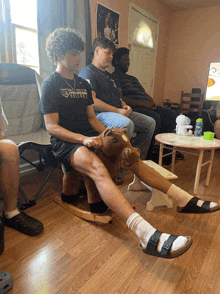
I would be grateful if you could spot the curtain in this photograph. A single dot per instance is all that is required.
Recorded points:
(79, 18)
(2, 36)
(6, 46)
(54, 14)
(88, 33)
(51, 14)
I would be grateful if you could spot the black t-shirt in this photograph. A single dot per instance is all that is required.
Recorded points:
(69, 101)
(130, 86)
(103, 84)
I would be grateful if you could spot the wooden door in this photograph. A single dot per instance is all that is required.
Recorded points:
(143, 32)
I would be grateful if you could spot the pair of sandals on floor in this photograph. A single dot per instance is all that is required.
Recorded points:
(191, 207)
(151, 249)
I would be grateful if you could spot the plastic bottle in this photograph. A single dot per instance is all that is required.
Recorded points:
(198, 127)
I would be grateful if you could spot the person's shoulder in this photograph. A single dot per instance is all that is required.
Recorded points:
(89, 73)
(52, 79)
(82, 82)
(117, 74)
(120, 76)
(86, 69)
(49, 85)
(129, 76)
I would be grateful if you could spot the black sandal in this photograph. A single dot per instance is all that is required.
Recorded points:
(166, 249)
(192, 207)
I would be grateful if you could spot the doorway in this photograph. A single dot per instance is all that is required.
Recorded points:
(142, 37)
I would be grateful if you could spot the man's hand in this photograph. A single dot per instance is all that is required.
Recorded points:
(126, 110)
(152, 105)
(95, 142)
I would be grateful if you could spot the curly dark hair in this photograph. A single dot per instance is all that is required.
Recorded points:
(104, 43)
(61, 41)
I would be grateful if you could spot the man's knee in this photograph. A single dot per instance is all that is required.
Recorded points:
(8, 151)
(217, 129)
(156, 117)
(87, 163)
(130, 127)
(151, 122)
(97, 170)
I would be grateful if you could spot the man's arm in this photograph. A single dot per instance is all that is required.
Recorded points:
(94, 122)
(53, 128)
(51, 123)
(102, 106)
(149, 105)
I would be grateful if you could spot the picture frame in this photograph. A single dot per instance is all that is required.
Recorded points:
(107, 23)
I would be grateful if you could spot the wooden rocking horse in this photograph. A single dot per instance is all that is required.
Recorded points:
(115, 152)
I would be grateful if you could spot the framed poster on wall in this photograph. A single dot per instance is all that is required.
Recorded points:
(107, 23)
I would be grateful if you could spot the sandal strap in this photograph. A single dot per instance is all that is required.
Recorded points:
(168, 244)
(194, 201)
(206, 205)
(153, 241)
(192, 207)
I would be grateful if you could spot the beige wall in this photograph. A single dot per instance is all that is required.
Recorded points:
(194, 43)
(157, 10)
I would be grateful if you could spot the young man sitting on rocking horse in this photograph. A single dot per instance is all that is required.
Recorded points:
(67, 105)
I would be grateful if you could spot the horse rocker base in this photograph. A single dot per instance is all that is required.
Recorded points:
(158, 199)
(90, 216)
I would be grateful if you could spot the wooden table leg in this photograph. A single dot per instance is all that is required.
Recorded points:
(210, 167)
(160, 154)
(198, 171)
(173, 159)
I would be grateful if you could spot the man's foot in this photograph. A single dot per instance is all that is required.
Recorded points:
(179, 156)
(71, 199)
(98, 207)
(196, 205)
(186, 203)
(154, 242)
(167, 246)
(24, 224)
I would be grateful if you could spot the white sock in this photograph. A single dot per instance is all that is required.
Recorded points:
(12, 213)
(182, 197)
(144, 231)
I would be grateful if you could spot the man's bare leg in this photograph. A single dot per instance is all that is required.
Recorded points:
(9, 179)
(86, 162)
(72, 190)
(152, 178)
(9, 173)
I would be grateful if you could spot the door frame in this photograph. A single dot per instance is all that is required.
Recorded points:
(130, 37)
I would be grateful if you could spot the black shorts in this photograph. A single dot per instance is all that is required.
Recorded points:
(63, 151)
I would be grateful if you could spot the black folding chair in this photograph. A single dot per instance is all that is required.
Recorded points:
(19, 91)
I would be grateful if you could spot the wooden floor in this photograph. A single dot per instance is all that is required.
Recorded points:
(75, 256)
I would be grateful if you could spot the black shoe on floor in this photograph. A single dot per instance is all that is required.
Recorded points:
(1, 234)
(179, 156)
(24, 224)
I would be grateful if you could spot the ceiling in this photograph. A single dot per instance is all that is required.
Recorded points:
(177, 5)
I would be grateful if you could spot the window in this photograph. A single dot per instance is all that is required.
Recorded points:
(143, 35)
(24, 32)
(213, 84)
